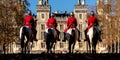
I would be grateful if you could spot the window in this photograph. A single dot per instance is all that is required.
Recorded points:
(42, 26)
(42, 35)
(42, 45)
(42, 15)
(80, 45)
(61, 45)
(80, 16)
(80, 27)
(61, 27)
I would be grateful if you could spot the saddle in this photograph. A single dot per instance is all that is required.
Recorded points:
(70, 31)
(53, 31)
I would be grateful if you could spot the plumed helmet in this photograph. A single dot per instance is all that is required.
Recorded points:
(92, 13)
(28, 12)
(52, 14)
(71, 14)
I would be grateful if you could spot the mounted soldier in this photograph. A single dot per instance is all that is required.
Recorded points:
(92, 22)
(52, 23)
(30, 25)
(71, 23)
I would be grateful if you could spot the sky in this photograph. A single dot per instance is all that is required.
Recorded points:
(60, 5)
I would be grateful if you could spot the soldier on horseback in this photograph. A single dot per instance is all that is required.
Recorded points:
(29, 24)
(92, 21)
(71, 23)
(52, 23)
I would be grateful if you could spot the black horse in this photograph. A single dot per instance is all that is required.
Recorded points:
(72, 36)
(26, 44)
(50, 37)
(93, 37)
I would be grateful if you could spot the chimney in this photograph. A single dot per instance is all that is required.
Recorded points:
(83, 2)
(46, 2)
(79, 2)
(40, 2)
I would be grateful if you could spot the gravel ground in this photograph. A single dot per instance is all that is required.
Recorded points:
(45, 56)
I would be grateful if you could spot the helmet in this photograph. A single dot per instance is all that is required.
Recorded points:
(52, 14)
(92, 13)
(71, 14)
(28, 12)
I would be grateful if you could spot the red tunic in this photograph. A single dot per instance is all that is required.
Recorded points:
(71, 23)
(27, 21)
(51, 22)
(91, 21)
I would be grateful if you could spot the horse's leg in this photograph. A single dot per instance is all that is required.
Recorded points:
(22, 43)
(69, 47)
(27, 42)
(52, 46)
(94, 46)
(47, 45)
(88, 46)
(73, 45)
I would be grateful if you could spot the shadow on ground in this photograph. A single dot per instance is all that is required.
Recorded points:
(45, 56)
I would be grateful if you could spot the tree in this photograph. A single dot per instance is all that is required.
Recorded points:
(11, 18)
(110, 20)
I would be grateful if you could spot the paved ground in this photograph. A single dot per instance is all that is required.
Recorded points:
(53, 56)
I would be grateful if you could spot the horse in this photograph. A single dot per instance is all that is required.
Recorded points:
(93, 37)
(72, 36)
(50, 36)
(26, 40)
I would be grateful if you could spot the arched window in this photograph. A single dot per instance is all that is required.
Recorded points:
(80, 16)
(42, 15)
